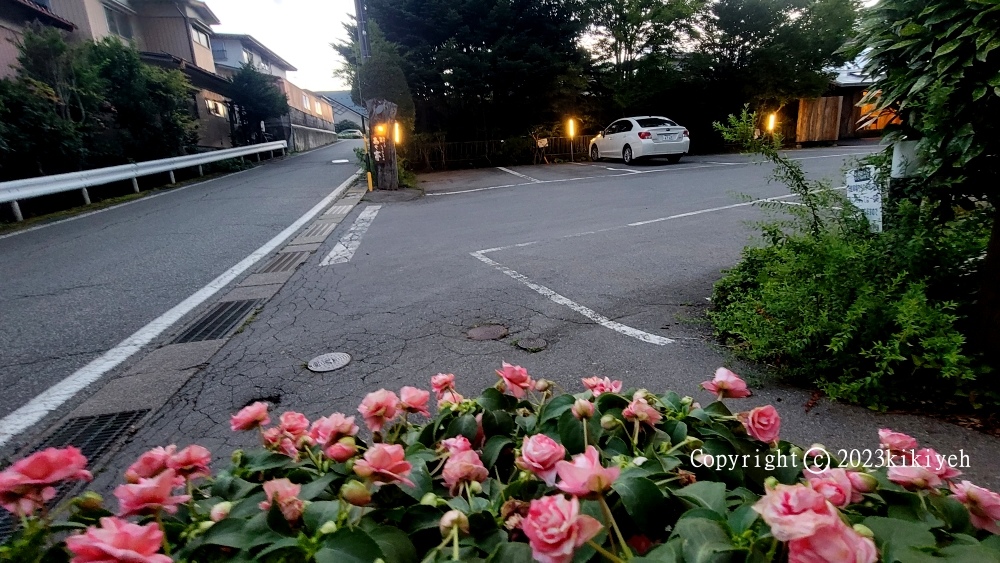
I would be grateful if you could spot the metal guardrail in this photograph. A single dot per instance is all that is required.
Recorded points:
(47, 185)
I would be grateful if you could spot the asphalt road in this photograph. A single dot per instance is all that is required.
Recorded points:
(71, 291)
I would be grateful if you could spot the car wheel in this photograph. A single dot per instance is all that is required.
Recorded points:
(674, 158)
(595, 154)
(627, 154)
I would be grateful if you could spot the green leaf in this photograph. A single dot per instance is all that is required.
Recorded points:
(284, 543)
(319, 513)
(921, 83)
(911, 28)
(643, 501)
(556, 407)
(954, 513)
(349, 546)
(264, 460)
(669, 552)
(709, 494)
(421, 517)
(498, 423)
(571, 433)
(227, 533)
(985, 51)
(422, 481)
(963, 553)
(395, 544)
(493, 400)
(978, 93)
(511, 552)
(898, 540)
(607, 401)
(703, 541)
(742, 518)
(315, 488)
(464, 425)
(494, 446)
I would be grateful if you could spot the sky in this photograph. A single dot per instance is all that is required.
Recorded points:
(299, 31)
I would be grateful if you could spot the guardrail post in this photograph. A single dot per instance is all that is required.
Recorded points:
(258, 157)
(86, 196)
(201, 170)
(172, 179)
(135, 185)
(17, 211)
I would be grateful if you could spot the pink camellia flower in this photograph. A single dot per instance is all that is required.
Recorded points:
(378, 409)
(191, 462)
(384, 464)
(329, 429)
(598, 385)
(461, 468)
(936, 462)
(450, 398)
(795, 511)
(539, 455)
(516, 379)
(897, 442)
(295, 424)
(118, 541)
(456, 444)
(862, 482)
(762, 423)
(727, 385)
(836, 543)
(149, 496)
(150, 464)
(585, 474)
(272, 437)
(555, 528)
(983, 505)
(442, 383)
(640, 409)
(914, 477)
(583, 409)
(27, 485)
(285, 494)
(835, 485)
(250, 417)
(342, 450)
(414, 400)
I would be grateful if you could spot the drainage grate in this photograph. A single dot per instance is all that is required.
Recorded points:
(284, 262)
(218, 321)
(94, 435)
(339, 210)
(318, 230)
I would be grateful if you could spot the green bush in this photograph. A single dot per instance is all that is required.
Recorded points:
(877, 319)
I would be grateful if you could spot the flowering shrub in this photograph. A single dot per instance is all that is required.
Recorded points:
(522, 472)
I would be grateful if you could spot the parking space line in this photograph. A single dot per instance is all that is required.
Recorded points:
(585, 311)
(518, 174)
(344, 250)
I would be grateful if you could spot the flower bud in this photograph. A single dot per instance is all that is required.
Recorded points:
(328, 528)
(356, 493)
(221, 511)
(475, 487)
(203, 526)
(349, 465)
(89, 501)
(862, 482)
(687, 401)
(543, 385)
(430, 499)
(864, 531)
(451, 520)
(770, 483)
(609, 422)
(583, 409)
(237, 458)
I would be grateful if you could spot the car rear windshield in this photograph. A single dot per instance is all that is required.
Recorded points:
(655, 122)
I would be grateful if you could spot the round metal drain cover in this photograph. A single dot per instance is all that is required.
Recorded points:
(488, 332)
(329, 362)
(532, 344)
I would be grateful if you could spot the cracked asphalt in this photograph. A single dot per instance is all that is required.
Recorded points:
(403, 305)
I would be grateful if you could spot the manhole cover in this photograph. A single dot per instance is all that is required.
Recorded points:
(488, 332)
(329, 362)
(532, 344)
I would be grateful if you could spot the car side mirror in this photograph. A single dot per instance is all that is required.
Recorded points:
(601, 133)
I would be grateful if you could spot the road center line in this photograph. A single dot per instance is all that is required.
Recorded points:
(518, 174)
(585, 311)
(344, 250)
(54, 397)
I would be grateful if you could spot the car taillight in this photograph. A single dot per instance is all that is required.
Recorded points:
(686, 134)
(645, 135)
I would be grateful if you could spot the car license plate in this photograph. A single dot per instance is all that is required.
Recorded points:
(672, 137)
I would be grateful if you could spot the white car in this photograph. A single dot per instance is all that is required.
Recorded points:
(632, 138)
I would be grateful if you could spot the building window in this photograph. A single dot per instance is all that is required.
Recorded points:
(201, 38)
(216, 108)
(265, 65)
(247, 56)
(118, 23)
(319, 108)
(305, 102)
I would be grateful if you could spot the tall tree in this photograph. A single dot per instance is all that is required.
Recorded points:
(381, 76)
(256, 98)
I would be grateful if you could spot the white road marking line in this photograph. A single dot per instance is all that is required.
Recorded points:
(586, 312)
(623, 170)
(344, 250)
(339, 210)
(518, 174)
(53, 397)
(674, 168)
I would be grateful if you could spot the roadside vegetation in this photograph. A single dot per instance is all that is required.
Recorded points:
(908, 317)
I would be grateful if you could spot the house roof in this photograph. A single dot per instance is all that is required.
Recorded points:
(852, 73)
(44, 15)
(206, 13)
(200, 78)
(248, 40)
(343, 98)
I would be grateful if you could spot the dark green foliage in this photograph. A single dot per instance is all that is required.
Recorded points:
(382, 75)
(874, 319)
(346, 124)
(257, 99)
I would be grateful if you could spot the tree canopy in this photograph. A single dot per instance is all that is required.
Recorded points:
(257, 98)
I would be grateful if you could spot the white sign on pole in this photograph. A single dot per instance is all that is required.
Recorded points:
(864, 193)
